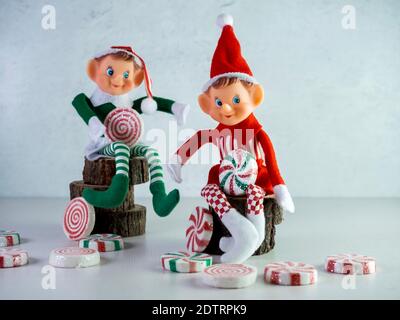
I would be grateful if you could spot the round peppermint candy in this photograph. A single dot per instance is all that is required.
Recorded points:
(237, 171)
(350, 263)
(230, 275)
(79, 218)
(290, 273)
(9, 238)
(10, 257)
(103, 242)
(200, 229)
(124, 125)
(74, 257)
(185, 262)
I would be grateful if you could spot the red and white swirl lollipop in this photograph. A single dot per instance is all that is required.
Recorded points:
(200, 229)
(290, 273)
(74, 257)
(10, 257)
(79, 218)
(230, 275)
(350, 263)
(237, 171)
(124, 125)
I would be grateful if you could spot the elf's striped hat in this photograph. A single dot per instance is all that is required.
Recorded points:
(148, 105)
(228, 60)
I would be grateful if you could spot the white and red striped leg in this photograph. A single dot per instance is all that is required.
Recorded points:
(216, 199)
(244, 235)
(255, 210)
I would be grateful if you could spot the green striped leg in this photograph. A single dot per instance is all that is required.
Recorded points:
(116, 193)
(163, 203)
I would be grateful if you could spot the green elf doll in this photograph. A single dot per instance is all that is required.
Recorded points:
(117, 71)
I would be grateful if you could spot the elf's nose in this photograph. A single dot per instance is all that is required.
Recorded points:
(226, 109)
(117, 80)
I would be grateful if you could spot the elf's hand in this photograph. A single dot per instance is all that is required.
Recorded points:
(284, 198)
(96, 128)
(180, 111)
(174, 168)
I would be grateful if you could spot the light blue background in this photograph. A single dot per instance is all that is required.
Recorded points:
(332, 95)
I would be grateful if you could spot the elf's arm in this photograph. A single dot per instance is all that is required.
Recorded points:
(186, 151)
(281, 191)
(84, 108)
(179, 110)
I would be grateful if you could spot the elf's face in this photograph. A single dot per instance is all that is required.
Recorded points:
(231, 104)
(114, 75)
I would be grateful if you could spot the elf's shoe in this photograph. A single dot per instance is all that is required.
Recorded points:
(163, 204)
(113, 197)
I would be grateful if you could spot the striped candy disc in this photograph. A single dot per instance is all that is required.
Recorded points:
(124, 125)
(74, 257)
(79, 219)
(185, 262)
(230, 275)
(237, 171)
(10, 257)
(9, 238)
(103, 242)
(350, 263)
(290, 273)
(200, 229)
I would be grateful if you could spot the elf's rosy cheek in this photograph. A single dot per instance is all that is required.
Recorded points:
(128, 84)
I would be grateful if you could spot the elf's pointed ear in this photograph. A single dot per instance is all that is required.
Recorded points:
(204, 102)
(138, 77)
(91, 69)
(257, 94)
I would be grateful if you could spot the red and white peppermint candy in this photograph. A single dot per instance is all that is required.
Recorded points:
(185, 262)
(290, 273)
(237, 171)
(230, 275)
(10, 257)
(200, 229)
(124, 125)
(74, 257)
(79, 218)
(103, 242)
(9, 238)
(350, 263)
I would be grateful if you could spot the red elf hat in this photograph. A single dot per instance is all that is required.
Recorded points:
(228, 60)
(148, 105)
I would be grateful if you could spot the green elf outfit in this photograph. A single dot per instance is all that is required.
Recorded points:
(94, 110)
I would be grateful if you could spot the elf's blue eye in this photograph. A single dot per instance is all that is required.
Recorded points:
(236, 100)
(126, 74)
(218, 102)
(110, 71)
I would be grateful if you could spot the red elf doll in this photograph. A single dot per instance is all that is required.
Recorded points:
(230, 97)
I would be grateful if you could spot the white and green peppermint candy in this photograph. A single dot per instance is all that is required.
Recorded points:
(9, 238)
(103, 242)
(185, 262)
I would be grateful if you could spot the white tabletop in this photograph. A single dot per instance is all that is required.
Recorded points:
(318, 228)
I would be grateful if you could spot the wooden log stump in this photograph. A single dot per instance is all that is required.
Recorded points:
(127, 223)
(101, 171)
(273, 216)
(127, 220)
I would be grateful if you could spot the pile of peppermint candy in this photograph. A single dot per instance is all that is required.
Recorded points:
(239, 275)
(86, 254)
(287, 273)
